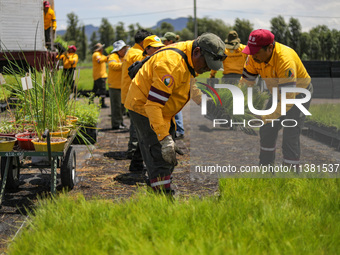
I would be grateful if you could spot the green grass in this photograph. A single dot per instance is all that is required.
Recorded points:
(326, 114)
(251, 216)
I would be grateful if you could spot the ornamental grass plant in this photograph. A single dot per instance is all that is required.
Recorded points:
(46, 104)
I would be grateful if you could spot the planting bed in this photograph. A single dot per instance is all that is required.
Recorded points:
(324, 134)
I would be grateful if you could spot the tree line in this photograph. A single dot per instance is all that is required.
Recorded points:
(320, 43)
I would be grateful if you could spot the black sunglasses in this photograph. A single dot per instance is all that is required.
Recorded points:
(215, 56)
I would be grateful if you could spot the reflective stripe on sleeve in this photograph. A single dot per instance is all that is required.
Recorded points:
(248, 76)
(158, 96)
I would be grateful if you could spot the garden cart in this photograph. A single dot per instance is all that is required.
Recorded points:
(11, 163)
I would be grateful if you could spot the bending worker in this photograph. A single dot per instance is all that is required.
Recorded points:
(135, 53)
(160, 89)
(233, 64)
(280, 67)
(167, 39)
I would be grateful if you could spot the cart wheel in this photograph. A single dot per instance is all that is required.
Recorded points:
(13, 175)
(68, 169)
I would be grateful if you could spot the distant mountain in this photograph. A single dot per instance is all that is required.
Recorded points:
(178, 24)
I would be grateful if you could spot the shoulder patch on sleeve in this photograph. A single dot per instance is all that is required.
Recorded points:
(168, 80)
(289, 73)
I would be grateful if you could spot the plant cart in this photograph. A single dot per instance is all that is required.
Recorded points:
(66, 160)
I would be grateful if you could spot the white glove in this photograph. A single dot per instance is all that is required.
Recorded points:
(169, 150)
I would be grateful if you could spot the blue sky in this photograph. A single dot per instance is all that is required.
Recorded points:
(310, 13)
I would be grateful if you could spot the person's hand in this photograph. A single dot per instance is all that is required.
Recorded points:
(169, 150)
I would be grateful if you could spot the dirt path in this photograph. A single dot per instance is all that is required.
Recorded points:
(106, 177)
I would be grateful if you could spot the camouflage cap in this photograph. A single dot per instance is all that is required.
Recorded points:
(213, 48)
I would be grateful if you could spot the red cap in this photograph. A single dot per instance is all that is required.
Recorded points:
(46, 4)
(72, 47)
(257, 39)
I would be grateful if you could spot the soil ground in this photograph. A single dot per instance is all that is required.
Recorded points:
(105, 173)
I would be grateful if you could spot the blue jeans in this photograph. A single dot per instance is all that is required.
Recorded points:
(179, 123)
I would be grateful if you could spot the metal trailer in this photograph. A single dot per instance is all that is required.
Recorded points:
(65, 160)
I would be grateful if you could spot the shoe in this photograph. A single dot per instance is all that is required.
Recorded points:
(179, 136)
(137, 167)
(105, 106)
(119, 127)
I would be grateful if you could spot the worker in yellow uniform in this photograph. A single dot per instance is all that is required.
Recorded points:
(135, 53)
(49, 22)
(280, 67)
(167, 39)
(233, 64)
(114, 81)
(151, 44)
(160, 89)
(99, 73)
(70, 60)
(170, 38)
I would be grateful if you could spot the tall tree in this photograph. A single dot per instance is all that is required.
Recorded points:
(82, 44)
(106, 33)
(216, 26)
(72, 31)
(305, 46)
(186, 34)
(279, 29)
(164, 27)
(295, 32)
(243, 28)
(93, 41)
(120, 32)
(320, 33)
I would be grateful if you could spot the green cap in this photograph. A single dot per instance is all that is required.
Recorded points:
(170, 36)
(213, 48)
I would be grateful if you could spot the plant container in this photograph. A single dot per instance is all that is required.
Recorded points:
(25, 140)
(7, 143)
(57, 144)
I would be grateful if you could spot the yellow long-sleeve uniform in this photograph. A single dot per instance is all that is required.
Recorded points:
(161, 88)
(285, 69)
(70, 60)
(50, 19)
(99, 65)
(134, 54)
(115, 71)
(234, 62)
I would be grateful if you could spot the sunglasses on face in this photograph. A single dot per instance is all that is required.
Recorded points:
(215, 56)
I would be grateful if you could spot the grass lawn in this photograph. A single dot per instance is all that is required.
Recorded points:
(326, 114)
(251, 216)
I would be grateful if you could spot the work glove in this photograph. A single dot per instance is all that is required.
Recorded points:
(169, 149)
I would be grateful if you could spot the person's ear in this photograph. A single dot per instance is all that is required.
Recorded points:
(197, 52)
(271, 47)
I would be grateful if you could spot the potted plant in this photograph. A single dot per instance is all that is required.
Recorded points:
(46, 103)
(7, 143)
(88, 118)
